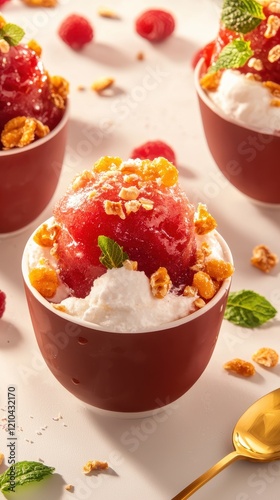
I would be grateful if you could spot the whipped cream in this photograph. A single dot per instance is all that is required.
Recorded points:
(121, 300)
(246, 101)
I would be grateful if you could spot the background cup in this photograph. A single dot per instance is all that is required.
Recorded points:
(126, 372)
(248, 158)
(29, 176)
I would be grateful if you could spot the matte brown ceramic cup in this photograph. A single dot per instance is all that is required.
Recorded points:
(29, 176)
(126, 372)
(249, 159)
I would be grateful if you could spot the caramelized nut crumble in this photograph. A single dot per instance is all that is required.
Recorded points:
(204, 284)
(204, 222)
(240, 367)
(94, 465)
(273, 24)
(114, 208)
(102, 84)
(46, 235)
(160, 283)
(45, 280)
(266, 357)
(21, 131)
(263, 258)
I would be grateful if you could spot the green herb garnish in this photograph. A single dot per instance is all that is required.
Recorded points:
(23, 472)
(242, 16)
(12, 34)
(112, 254)
(248, 309)
(234, 55)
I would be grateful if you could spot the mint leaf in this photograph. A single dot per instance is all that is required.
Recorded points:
(242, 15)
(248, 309)
(112, 254)
(12, 34)
(23, 472)
(234, 55)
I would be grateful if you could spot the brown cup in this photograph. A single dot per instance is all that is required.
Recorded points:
(249, 159)
(29, 176)
(126, 372)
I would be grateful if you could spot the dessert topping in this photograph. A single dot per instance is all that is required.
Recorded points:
(112, 253)
(263, 258)
(240, 367)
(45, 280)
(21, 131)
(160, 283)
(273, 24)
(266, 356)
(248, 309)
(204, 222)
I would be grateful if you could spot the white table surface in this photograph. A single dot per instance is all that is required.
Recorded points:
(154, 457)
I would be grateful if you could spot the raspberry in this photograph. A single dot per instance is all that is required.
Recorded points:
(205, 52)
(152, 150)
(155, 25)
(3, 1)
(2, 303)
(76, 31)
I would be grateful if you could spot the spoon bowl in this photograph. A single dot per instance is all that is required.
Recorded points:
(256, 437)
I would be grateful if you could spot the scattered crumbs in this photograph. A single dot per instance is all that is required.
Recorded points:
(59, 417)
(1, 458)
(140, 56)
(39, 433)
(108, 13)
(69, 487)
(31, 416)
(65, 425)
(102, 84)
(81, 88)
(29, 441)
(41, 460)
(94, 465)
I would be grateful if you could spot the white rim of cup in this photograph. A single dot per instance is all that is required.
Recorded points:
(93, 326)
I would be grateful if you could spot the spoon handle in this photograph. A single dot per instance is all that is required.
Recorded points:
(201, 480)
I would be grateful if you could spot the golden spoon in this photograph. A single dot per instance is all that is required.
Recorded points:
(256, 437)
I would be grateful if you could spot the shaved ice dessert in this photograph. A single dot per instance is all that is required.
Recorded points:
(32, 102)
(241, 74)
(126, 249)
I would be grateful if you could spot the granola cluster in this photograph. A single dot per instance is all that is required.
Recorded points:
(265, 356)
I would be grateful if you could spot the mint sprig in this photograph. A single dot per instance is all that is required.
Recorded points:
(242, 16)
(112, 253)
(248, 309)
(234, 55)
(23, 472)
(12, 34)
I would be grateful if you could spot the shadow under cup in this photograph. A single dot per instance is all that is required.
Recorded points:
(248, 158)
(126, 372)
(29, 177)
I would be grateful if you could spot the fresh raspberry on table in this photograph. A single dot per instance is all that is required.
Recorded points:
(76, 31)
(154, 149)
(155, 25)
(2, 301)
(3, 1)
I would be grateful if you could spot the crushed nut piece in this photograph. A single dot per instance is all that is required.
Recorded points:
(263, 258)
(81, 180)
(131, 265)
(102, 84)
(274, 54)
(210, 81)
(266, 357)
(140, 56)
(33, 45)
(94, 465)
(204, 222)
(273, 87)
(114, 208)
(130, 193)
(204, 284)
(130, 178)
(199, 303)
(4, 46)
(201, 254)
(110, 14)
(45, 280)
(40, 3)
(275, 103)
(255, 63)
(69, 487)
(253, 76)
(274, 7)
(219, 269)
(240, 367)
(160, 283)
(132, 206)
(61, 308)
(146, 204)
(59, 88)
(46, 235)
(190, 291)
(273, 24)
(21, 131)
